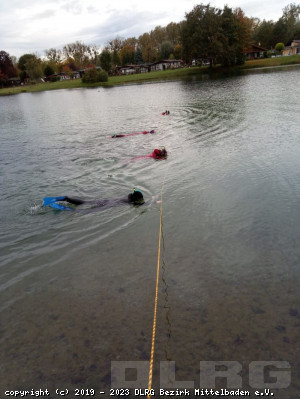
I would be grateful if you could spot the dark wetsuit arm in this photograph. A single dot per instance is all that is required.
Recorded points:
(75, 201)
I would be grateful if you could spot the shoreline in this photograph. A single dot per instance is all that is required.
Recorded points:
(266, 63)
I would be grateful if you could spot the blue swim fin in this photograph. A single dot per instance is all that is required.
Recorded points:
(60, 207)
(52, 200)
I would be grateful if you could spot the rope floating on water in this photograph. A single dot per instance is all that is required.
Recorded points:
(156, 291)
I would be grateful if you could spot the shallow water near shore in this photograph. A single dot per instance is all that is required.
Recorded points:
(77, 289)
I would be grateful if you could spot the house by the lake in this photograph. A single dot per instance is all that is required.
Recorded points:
(155, 66)
(165, 64)
(293, 49)
(56, 76)
(254, 52)
(127, 69)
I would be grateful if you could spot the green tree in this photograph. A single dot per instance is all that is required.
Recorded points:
(279, 47)
(166, 49)
(280, 32)
(291, 17)
(201, 34)
(214, 34)
(48, 70)
(138, 56)
(263, 34)
(105, 60)
(116, 60)
(92, 76)
(34, 68)
(236, 33)
(23, 60)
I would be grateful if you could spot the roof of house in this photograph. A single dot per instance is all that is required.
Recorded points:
(127, 66)
(254, 47)
(165, 61)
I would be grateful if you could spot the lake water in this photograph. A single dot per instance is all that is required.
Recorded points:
(77, 289)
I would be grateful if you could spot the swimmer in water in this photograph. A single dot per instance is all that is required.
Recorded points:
(156, 154)
(135, 197)
(159, 153)
(133, 134)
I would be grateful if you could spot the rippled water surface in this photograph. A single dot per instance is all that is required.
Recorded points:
(77, 289)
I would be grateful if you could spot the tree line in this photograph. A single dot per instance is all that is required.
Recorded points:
(218, 35)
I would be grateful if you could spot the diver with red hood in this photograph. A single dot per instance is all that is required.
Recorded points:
(158, 153)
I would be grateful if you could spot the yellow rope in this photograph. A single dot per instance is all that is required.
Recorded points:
(156, 293)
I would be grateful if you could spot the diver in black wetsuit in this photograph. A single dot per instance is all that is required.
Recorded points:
(136, 198)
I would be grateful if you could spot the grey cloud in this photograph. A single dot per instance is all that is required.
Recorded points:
(92, 10)
(72, 6)
(121, 24)
(44, 14)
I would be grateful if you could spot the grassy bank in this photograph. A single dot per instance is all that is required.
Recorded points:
(145, 77)
(272, 62)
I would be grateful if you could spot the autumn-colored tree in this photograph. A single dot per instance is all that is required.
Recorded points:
(146, 46)
(178, 51)
(131, 41)
(158, 36)
(173, 33)
(244, 27)
(115, 44)
(127, 55)
(67, 70)
(79, 52)
(54, 56)
(68, 63)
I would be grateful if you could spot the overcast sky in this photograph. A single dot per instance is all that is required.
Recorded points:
(28, 26)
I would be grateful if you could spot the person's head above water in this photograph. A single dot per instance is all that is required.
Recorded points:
(160, 153)
(136, 197)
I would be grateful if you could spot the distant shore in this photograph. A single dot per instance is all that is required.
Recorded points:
(151, 76)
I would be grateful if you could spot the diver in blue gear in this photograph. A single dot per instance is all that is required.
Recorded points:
(135, 197)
